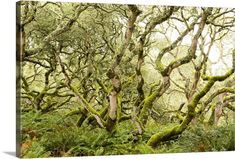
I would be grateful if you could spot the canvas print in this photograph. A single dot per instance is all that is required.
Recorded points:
(116, 79)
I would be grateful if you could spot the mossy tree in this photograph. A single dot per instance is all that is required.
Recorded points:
(106, 64)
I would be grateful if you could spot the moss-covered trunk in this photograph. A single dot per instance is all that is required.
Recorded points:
(113, 73)
(168, 134)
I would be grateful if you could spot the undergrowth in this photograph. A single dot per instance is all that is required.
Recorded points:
(46, 135)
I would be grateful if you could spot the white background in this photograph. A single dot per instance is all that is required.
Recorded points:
(7, 77)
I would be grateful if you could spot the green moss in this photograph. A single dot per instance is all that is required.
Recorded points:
(80, 120)
(103, 111)
(88, 106)
(73, 112)
(159, 65)
(119, 102)
(147, 105)
(212, 117)
(218, 78)
(163, 136)
(124, 117)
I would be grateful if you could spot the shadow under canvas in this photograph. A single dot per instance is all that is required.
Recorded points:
(11, 153)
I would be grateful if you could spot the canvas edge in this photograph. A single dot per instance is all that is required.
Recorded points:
(18, 75)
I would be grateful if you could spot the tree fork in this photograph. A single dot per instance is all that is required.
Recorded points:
(177, 130)
(113, 75)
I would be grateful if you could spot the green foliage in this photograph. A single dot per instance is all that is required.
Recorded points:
(201, 139)
(214, 139)
(63, 138)
(143, 149)
(36, 124)
(57, 137)
(36, 150)
(68, 56)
